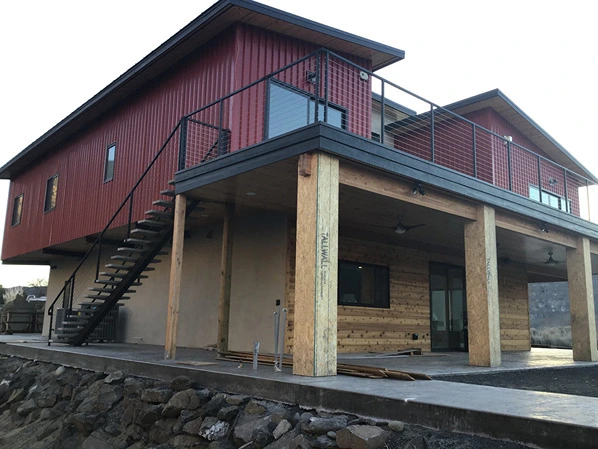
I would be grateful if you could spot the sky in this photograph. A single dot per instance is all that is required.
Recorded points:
(57, 54)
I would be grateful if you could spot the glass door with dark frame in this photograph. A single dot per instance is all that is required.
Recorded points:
(448, 312)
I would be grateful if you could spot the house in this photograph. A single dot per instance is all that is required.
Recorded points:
(257, 156)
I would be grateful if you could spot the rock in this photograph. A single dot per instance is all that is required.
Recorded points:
(228, 413)
(283, 427)
(212, 407)
(193, 427)
(46, 430)
(48, 413)
(361, 437)
(47, 401)
(184, 440)
(237, 399)
(254, 408)
(112, 429)
(114, 378)
(97, 440)
(158, 395)
(133, 387)
(303, 417)
(17, 395)
(285, 440)
(321, 426)
(26, 407)
(186, 399)
(213, 429)
(243, 432)
(222, 444)
(418, 442)
(59, 371)
(396, 426)
(181, 383)
(85, 423)
(146, 417)
(331, 434)
(103, 400)
(324, 442)
(300, 442)
(159, 435)
(262, 437)
(204, 395)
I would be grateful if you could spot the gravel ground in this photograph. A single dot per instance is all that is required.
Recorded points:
(580, 381)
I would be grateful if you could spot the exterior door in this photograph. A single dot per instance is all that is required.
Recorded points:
(448, 311)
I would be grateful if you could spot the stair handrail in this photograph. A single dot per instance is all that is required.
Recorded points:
(118, 211)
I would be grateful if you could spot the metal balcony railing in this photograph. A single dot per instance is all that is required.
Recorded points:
(326, 87)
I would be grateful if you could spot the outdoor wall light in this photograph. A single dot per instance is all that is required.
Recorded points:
(418, 187)
(552, 181)
(310, 77)
(544, 227)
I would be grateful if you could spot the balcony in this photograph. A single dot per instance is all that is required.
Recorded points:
(325, 87)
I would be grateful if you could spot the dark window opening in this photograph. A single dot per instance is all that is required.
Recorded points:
(17, 210)
(290, 108)
(51, 193)
(363, 285)
(375, 137)
(109, 163)
(550, 199)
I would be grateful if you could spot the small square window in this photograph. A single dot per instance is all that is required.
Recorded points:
(51, 193)
(109, 163)
(17, 210)
(363, 285)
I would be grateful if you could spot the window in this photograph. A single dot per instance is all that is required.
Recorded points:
(51, 193)
(550, 199)
(363, 285)
(109, 163)
(290, 108)
(17, 210)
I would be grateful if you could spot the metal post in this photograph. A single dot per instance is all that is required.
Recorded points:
(220, 120)
(588, 199)
(317, 92)
(566, 191)
(540, 177)
(130, 216)
(432, 133)
(326, 67)
(382, 113)
(99, 257)
(51, 313)
(183, 143)
(276, 333)
(475, 153)
(509, 165)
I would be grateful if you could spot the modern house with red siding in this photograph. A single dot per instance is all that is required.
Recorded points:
(257, 156)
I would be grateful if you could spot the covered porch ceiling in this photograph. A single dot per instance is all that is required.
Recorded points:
(371, 216)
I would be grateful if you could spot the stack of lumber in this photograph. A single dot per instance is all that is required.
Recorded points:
(370, 372)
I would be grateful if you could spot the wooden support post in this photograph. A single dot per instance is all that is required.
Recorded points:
(226, 265)
(316, 266)
(581, 301)
(481, 275)
(176, 268)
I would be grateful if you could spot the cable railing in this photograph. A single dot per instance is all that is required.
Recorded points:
(327, 87)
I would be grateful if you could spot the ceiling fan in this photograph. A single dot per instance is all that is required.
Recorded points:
(550, 260)
(401, 227)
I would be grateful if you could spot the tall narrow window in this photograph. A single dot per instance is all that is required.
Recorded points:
(51, 193)
(17, 210)
(109, 163)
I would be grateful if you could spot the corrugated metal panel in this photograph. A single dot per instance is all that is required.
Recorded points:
(139, 127)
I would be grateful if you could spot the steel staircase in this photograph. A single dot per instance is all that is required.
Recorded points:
(89, 321)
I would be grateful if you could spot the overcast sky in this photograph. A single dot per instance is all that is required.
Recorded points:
(57, 54)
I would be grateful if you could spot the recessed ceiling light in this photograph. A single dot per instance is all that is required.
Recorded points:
(250, 193)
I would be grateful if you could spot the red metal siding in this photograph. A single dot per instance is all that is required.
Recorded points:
(139, 127)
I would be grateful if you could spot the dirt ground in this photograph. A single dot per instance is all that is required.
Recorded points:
(580, 381)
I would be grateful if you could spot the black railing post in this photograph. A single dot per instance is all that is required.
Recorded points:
(51, 313)
(432, 133)
(183, 143)
(326, 84)
(220, 120)
(99, 257)
(588, 200)
(509, 165)
(566, 191)
(317, 92)
(474, 151)
(130, 218)
(72, 295)
(540, 177)
(382, 112)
